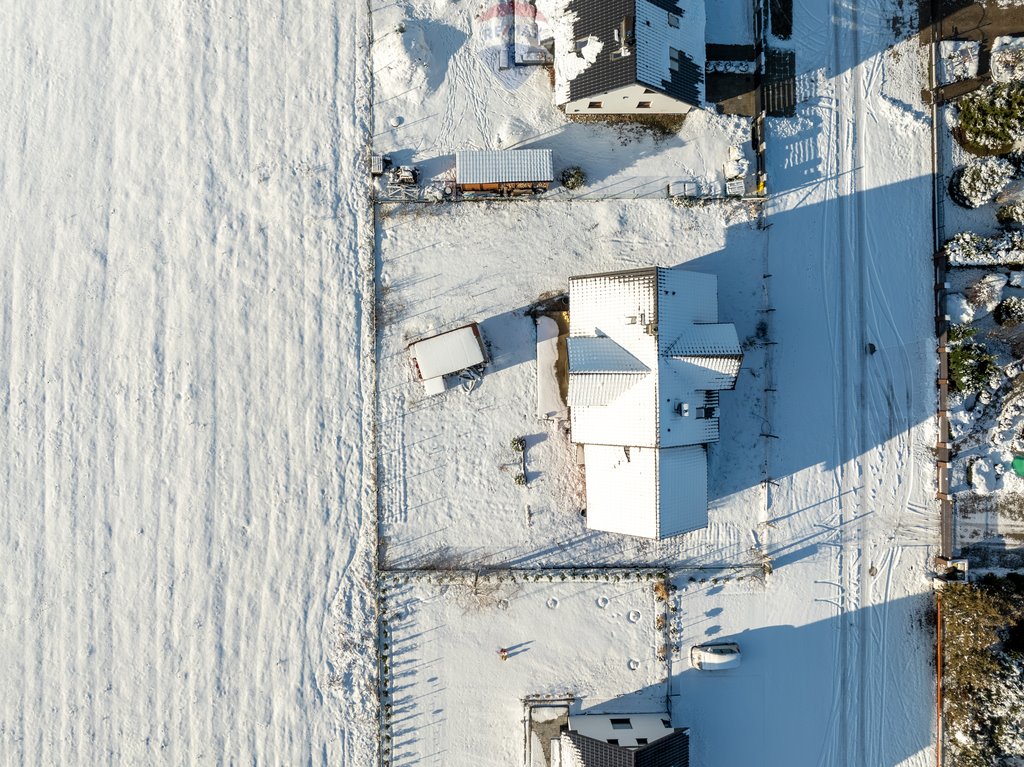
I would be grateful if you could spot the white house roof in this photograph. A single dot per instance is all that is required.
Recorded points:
(649, 492)
(649, 727)
(647, 358)
(503, 166)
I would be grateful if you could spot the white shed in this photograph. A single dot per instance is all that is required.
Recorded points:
(447, 353)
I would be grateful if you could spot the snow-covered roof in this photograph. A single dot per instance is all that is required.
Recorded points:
(647, 358)
(503, 166)
(648, 492)
(448, 352)
(648, 727)
(603, 45)
(670, 47)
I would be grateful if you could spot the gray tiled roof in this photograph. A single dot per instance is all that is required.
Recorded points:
(600, 17)
(670, 751)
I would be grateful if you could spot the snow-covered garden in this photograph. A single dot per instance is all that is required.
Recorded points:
(448, 473)
(985, 305)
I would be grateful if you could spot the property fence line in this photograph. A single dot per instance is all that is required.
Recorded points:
(943, 454)
(941, 269)
(695, 201)
(578, 572)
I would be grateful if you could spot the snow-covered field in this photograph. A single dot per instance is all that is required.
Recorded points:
(191, 397)
(184, 363)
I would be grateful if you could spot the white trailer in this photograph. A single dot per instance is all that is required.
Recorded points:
(446, 353)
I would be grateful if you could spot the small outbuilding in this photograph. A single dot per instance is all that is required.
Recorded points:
(445, 354)
(505, 172)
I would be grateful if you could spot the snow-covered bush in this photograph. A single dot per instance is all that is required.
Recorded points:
(1010, 311)
(970, 249)
(1011, 215)
(574, 177)
(984, 293)
(979, 181)
(991, 119)
(1007, 59)
(959, 333)
(1017, 159)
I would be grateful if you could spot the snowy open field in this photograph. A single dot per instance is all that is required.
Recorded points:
(189, 394)
(186, 541)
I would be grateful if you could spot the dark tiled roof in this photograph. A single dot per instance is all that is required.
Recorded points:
(683, 82)
(670, 751)
(599, 18)
(597, 753)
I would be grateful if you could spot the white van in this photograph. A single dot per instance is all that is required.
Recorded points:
(715, 657)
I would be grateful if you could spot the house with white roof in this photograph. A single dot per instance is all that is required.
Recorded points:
(627, 56)
(647, 360)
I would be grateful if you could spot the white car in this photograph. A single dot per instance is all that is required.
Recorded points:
(715, 657)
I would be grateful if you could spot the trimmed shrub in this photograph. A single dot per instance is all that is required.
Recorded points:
(574, 177)
(991, 119)
(958, 333)
(1010, 311)
(970, 249)
(980, 181)
(1011, 215)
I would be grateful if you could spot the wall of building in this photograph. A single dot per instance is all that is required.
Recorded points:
(626, 101)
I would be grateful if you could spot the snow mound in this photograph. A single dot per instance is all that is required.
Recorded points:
(986, 476)
(959, 59)
(408, 59)
(958, 309)
(1007, 59)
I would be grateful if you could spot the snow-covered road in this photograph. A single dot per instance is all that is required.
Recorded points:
(187, 557)
(869, 505)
